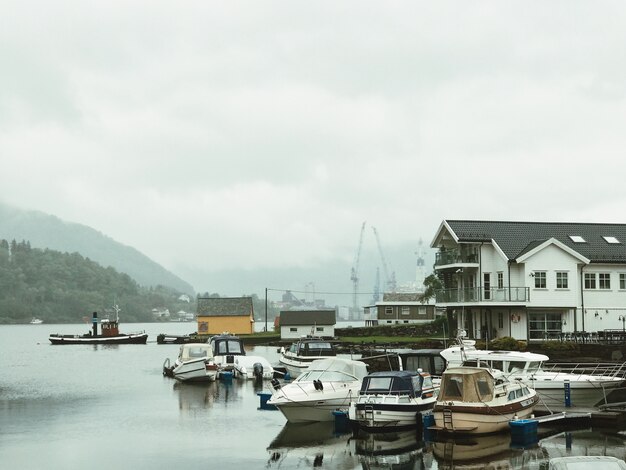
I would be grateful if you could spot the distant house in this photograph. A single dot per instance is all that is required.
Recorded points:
(220, 314)
(297, 323)
(403, 308)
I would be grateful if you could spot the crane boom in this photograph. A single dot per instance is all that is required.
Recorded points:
(354, 275)
(390, 280)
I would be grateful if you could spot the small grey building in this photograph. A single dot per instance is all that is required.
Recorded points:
(403, 308)
(297, 323)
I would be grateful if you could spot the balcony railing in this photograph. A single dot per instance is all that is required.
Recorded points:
(480, 294)
(454, 257)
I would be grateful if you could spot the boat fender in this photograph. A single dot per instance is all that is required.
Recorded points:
(257, 370)
(275, 383)
(318, 385)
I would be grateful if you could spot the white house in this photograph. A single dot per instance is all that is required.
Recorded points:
(297, 323)
(532, 280)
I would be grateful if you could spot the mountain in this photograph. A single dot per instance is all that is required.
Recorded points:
(47, 231)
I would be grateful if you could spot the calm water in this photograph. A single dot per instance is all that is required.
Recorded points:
(98, 407)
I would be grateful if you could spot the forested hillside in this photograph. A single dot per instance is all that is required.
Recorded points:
(47, 231)
(62, 287)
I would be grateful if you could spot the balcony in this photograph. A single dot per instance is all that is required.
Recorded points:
(479, 294)
(451, 257)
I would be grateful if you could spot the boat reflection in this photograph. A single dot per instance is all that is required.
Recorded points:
(304, 445)
(585, 442)
(491, 452)
(195, 398)
(391, 450)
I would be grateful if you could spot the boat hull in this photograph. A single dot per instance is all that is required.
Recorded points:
(383, 416)
(582, 393)
(195, 371)
(302, 403)
(480, 419)
(135, 338)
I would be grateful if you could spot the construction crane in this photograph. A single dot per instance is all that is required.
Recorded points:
(354, 275)
(389, 280)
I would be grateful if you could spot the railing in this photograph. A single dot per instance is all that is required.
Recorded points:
(479, 294)
(454, 257)
(608, 370)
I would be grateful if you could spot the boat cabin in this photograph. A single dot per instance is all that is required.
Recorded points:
(397, 383)
(469, 385)
(428, 360)
(109, 327)
(312, 347)
(505, 361)
(227, 345)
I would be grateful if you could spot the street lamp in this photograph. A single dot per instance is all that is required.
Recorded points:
(623, 318)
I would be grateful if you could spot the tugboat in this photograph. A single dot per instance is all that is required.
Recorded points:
(110, 334)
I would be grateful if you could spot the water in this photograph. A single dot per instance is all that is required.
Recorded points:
(104, 407)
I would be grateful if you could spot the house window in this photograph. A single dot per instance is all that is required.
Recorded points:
(421, 310)
(611, 240)
(319, 328)
(590, 280)
(561, 280)
(577, 239)
(544, 325)
(500, 320)
(293, 330)
(604, 280)
(622, 281)
(388, 310)
(500, 280)
(406, 310)
(540, 279)
(487, 285)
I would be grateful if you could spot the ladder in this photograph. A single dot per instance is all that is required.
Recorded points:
(369, 413)
(447, 419)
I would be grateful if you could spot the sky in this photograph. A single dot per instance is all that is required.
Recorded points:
(259, 136)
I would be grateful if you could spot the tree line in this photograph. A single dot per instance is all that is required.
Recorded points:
(66, 287)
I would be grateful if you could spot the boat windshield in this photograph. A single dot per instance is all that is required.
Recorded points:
(325, 376)
(229, 347)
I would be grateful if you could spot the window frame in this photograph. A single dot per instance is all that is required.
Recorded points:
(539, 277)
(562, 280)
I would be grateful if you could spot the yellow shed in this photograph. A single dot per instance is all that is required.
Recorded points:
(219, 314)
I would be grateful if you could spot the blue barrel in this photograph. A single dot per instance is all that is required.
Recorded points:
(264, 397)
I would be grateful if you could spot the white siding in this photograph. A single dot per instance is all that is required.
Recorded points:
(550, 260)
(304, 330)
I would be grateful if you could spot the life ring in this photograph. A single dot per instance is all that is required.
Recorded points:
(515, 318)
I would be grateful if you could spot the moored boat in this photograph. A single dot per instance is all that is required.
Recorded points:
(393, 399)
(328, 385)
(476, 400)
(300, 354)
(589, 384)
(230, 356)
(110, 334)
(36, 321)
(194, 363)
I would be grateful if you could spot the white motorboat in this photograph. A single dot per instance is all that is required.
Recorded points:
(393, 399)
(36, 321)
(328, 385)
(300, 354)
(589, 384)
(230, 356)
(476, 400)
(580, 462)
(194, 363)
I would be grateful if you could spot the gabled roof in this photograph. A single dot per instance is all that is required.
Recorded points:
(402, 297)
(225, 306)
(307, 317)
(517, 238)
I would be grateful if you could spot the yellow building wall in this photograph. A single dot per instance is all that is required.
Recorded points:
(215, 325)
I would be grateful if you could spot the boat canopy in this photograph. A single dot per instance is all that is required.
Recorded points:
(466, 384)
(334, 369)
(393, 383)
(227, 344)
(194, 351)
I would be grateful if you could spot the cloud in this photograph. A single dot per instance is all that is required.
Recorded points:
(245, 135)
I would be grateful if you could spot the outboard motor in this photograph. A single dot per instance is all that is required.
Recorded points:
(257, 371)
(276, 384)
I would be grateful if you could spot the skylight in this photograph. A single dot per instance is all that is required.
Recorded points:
(577, 239)
(611, 240)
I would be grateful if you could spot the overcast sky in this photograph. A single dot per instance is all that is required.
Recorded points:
(260, 135)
